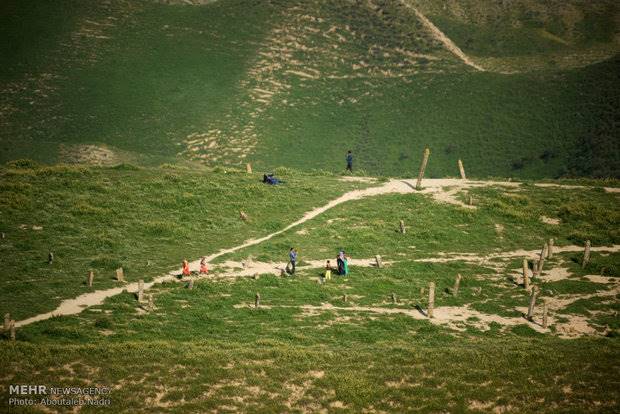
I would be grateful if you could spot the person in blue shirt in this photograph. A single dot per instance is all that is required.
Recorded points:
(292, 254)
(349, 161)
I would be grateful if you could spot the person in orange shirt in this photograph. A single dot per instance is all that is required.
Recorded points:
(203, 265)
(186, 271)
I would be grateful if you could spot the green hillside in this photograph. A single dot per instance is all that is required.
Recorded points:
(356, 343)
(126, 130)
(297, 83)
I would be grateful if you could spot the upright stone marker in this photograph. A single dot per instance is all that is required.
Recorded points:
(91, 277)
(378, 261)
(550, 245)
(393, 297)
(470, 200)
(457, 284)
(120, 274)
(403, 230)
(12, 330)
(541, 262)
(257, 300)
(50, 258)
(526, 275)
(151, 303)
(345, 297)
(7, 321)
(530, 309)
(140, 290)
(586, 255)
(248, 168)
(431, 299)
(427, 153)
(462, 170)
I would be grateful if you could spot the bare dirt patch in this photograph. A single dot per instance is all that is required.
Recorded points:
(550, 220)
(88, 154)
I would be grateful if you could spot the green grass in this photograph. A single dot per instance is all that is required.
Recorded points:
(370, 226)
(145, 220)
(163, 89)
(213, 355)
(305, 348)
(138, 78)
(263, 376)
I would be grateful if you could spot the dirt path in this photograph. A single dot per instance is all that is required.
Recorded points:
(78, 304)
(439, 35)
(530, 254)
(442, 190)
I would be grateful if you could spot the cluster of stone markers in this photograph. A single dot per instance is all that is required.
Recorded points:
(546, 253)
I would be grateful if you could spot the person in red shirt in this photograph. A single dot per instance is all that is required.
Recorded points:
(203, 265)
(186, 271)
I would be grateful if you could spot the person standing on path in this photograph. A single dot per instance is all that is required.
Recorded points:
(349, 161)
(328, 271)
(292, 254)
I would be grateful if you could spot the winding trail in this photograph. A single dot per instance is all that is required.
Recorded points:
(442, 190)
(439, 35)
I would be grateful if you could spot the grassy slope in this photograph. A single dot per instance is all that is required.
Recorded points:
(158, 71)
(519, 125)
(198, 352)
(103, 218)
(370, 226)
(164, 72)
(146, 88)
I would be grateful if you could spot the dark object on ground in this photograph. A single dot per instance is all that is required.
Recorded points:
(270, 179)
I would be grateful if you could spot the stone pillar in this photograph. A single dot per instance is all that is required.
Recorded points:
(427, 153)
(378, 261)
(248, 168)
(345, 297)
(50, 258)
(550, 246)
(151, 303)
(91, 277)
(140, 290)
(457, 283)
(470, 200)
(462, 170)
(431, 299)
(541, 262)
(393, 297)
(7, 321)
(12, 330)
(526, 275)
(586, 255)
(257, 300)
(530, 309)
(120, 274)
(403, 230)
